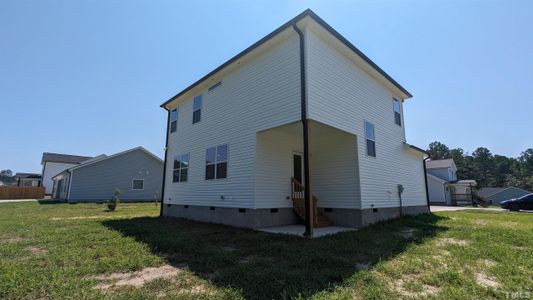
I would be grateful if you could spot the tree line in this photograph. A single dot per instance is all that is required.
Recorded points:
(489, 170)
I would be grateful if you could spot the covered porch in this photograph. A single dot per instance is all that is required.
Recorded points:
(334, 172)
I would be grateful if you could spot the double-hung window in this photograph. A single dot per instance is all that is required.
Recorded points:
(216, 162)
(370, 139)
(181, 168)
(397, 112)
(173, 120)
(197, 109)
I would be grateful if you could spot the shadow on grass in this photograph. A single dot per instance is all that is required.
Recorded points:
(49, 201)
(267, 266)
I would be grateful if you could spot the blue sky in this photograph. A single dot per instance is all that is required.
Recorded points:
(87, 77)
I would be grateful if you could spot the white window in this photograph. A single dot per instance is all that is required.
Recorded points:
(370, 139)
(216, 162)
(181, 168)
(397, 112)
(197, 109)
(137, 184)
(174, 120)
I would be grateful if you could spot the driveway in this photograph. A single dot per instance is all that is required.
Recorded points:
(436, 208)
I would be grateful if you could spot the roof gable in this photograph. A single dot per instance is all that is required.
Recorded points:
(306, 14)
(63, 158)
(441, 163)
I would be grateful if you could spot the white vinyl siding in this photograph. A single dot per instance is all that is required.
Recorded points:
(262, 93)
(343, 96)
(50, 170)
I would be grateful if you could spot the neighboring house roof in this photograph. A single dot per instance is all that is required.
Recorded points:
(467, 182)
(28, 175)
(440, 163)
(317, 19)
(105, 157)
(63, 158)
(491, 191)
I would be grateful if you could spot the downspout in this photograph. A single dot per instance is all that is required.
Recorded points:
(426, 181)
(42, 176)
(307, 173)
(69, 183)
(164, 166)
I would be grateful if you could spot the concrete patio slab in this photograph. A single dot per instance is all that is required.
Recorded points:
(298, 230)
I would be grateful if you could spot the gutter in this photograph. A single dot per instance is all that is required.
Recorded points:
(307, 173)
(426, 180)
(164, 165)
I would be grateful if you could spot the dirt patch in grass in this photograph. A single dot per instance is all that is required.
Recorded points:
(36, 251)
(139, 278)
(451, 241)
(408, 233)
(16, 239)
(488, 262)
(411, 286)
(485, 280)
(229, 248)
(362, 266)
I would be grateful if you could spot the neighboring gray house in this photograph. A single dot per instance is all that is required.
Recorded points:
(28, 179)
(137, 173)
(302, 116)
(54, 163)
(443, 186)
(495, 195)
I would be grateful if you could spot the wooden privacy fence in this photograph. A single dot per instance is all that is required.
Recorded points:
(21, 192)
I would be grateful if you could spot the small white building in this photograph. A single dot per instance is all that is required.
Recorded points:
(302, 114)
(54, 163)
(27, 179)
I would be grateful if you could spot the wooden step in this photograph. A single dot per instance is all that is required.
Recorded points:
(322, 221)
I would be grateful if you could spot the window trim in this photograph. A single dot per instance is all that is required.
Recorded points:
(180, 168)
(217, 162)
(172, 121)
(367, 139)
(394, 100)
(198, 109)
(133, 186)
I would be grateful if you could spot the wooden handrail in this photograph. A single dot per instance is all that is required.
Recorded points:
(297, 189)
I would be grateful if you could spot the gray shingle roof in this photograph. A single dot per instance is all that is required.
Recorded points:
(27, 175)
(63, 158)
(440, 163)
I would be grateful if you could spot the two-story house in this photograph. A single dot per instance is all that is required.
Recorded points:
(299, 127)
(55, 163)
(443, 186)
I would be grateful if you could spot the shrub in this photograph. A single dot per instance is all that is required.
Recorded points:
(112, 204)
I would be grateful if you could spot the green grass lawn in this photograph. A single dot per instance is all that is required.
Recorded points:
(81, 251)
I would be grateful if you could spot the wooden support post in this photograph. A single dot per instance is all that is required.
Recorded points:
(308, 194)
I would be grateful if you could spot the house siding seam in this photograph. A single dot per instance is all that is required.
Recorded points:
(260, 94)
(98, 181)
(343, 96)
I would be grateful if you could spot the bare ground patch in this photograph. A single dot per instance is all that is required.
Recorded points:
(229, 248)
(451, 241)
(411, 286)
(408, 233)
(16, 239)
(138, 278)
(36, 251)
(485, 280)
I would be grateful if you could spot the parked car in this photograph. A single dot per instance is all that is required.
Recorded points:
(524, 202)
